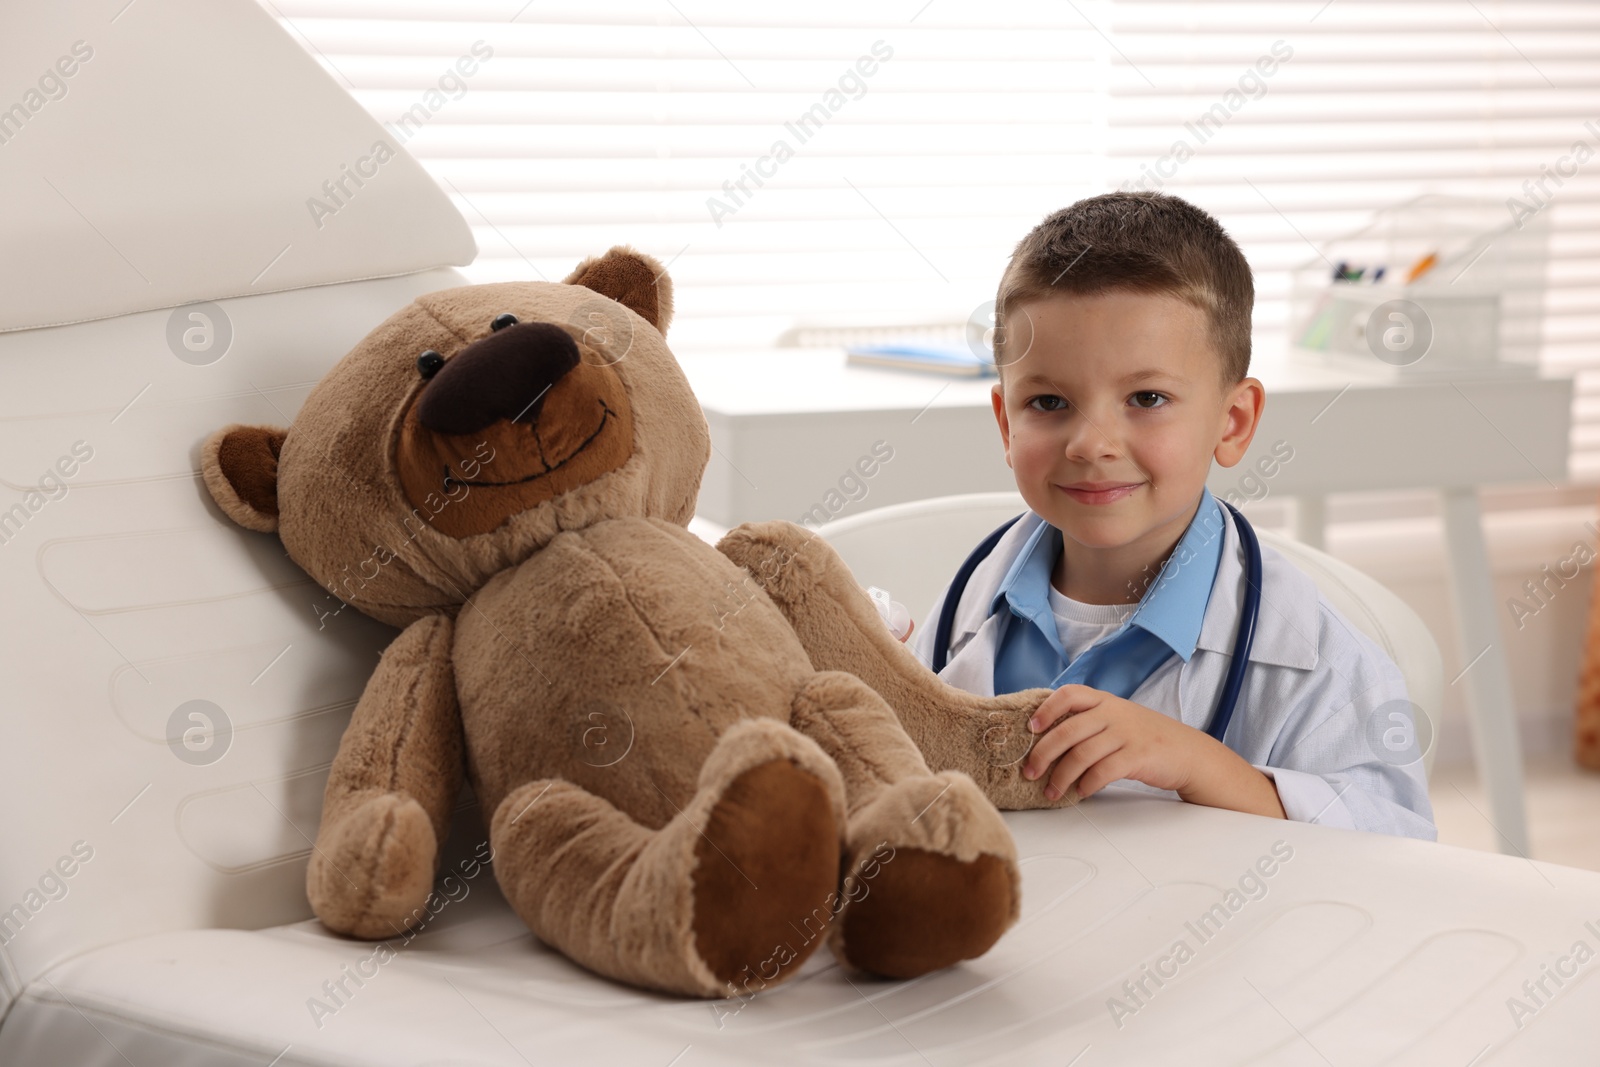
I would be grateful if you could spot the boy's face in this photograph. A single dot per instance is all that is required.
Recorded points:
(1111, 414)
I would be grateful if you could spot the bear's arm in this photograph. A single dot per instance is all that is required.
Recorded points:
(986, 737)
(387, 805)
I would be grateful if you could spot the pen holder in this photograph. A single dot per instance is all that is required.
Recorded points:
(1405, 330)
(1461, 293)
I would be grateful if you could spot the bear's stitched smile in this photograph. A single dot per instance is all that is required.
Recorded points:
(547, 448)
(605, 414)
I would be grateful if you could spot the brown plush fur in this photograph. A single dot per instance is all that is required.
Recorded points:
(985, 738)
(632, 278)
(249, 493)
(698, 763)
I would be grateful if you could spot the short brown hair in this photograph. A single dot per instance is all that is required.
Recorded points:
(1147, 242)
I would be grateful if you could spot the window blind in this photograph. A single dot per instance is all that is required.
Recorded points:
(1366, 105)
(861, 162)
(791, 163)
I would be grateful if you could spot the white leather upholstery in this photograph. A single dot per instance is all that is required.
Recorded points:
(129, 595)
(176, 162)
(1359, 948)
(913, 549)
(163, 154)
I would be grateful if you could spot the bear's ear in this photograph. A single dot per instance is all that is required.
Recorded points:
(631, 278)
(240, 467)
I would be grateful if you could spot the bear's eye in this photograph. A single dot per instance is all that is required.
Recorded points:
(428, 363)
(502, 320)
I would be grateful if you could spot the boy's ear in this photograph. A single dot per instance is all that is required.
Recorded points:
(240, 467)
(997, 400)
(631, 278)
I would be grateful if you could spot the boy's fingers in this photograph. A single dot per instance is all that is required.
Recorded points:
(1046, 750)
(1059, 740)
(1113, 768)
(1067, 700)
(1084, 756)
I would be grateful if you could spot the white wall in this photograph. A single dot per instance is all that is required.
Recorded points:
(1545, 655)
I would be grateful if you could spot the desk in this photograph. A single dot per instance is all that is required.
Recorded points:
(1336, 947)
(788, 427)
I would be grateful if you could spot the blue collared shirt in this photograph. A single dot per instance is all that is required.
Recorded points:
(1166, 621)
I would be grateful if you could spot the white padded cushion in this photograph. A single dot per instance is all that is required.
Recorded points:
(178, 164)
(914, 549)
(129, 595)
(1359, 948)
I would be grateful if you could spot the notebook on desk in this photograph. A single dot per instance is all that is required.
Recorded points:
(951, 359)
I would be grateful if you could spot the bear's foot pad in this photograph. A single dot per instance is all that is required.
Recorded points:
(924, 911)
(766, 875)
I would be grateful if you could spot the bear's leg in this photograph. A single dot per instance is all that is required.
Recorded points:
(986, 738)
(728, 898)
(931, 870)
(387, 804)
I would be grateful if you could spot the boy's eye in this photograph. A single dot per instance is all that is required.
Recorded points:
(1157, 396)
(1048, 398)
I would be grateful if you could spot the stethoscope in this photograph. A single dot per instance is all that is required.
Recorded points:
(1241, 643)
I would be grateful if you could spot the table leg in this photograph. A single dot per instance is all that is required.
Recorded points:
(1497, 749)
(1310, 519)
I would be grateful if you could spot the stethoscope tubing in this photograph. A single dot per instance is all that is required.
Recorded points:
(1232, 685)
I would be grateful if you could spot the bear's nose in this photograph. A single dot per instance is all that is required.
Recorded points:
(502, 376)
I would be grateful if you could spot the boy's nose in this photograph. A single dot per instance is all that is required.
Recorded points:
(1088, 439)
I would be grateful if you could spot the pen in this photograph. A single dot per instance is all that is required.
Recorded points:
(1423, 266)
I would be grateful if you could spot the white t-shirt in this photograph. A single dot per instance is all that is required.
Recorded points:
(1080, 625)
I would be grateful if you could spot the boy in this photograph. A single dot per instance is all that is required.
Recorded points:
(1122, 334)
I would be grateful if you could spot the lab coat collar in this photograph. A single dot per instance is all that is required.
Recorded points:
(1174, 602)
(973, 610)
(1288, 628)
(1286, 632)
(1022, 588)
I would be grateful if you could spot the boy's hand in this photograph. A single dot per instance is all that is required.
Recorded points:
(1094, 738)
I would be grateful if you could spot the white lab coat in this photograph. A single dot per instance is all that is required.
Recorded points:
(1307, 707)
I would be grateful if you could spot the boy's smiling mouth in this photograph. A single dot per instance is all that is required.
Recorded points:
(1098, 492)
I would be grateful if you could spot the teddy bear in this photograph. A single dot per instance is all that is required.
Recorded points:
(697, 763)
